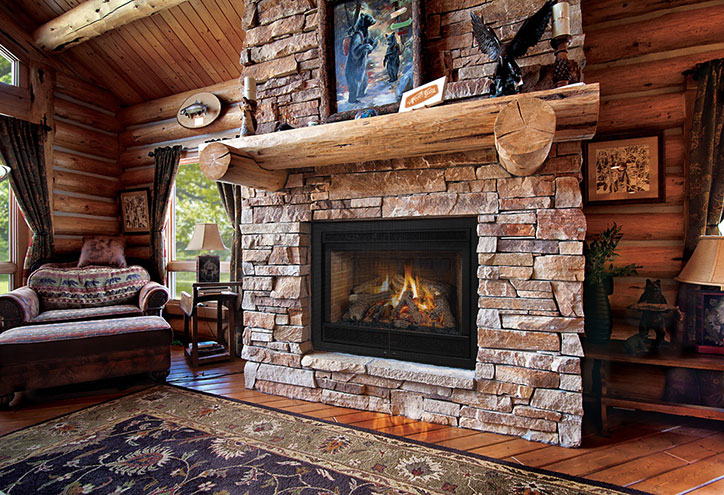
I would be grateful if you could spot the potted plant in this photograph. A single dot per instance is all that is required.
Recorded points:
(598, 284)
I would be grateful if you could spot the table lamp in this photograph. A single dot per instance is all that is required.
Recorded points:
(206, 237)
(704, 310)
(706, 265)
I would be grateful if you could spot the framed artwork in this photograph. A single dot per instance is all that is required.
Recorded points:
(208, 268)
(710, 322)
(134, 211)
(620, 170)
(371, 53)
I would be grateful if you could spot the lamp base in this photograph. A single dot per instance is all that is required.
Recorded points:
(208, 268)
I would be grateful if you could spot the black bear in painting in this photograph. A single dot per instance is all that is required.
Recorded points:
(360, 45)
(392, 57)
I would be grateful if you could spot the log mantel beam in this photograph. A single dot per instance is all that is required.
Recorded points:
(93, 18)
(458, 127)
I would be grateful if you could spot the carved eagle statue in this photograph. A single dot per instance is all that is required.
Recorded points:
(508, 77)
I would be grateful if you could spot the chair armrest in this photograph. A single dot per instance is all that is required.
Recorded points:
(18, 307)
(152, 298)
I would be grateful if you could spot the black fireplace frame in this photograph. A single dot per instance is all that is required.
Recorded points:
(441, 234)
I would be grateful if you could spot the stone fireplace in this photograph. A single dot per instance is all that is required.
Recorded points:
(523, 311)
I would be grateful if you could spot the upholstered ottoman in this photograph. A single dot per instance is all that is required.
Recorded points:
(39, 356)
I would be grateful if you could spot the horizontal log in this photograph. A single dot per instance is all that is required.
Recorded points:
(457, 127)
(78, 183)
(132, 178)
(675, 149)
(138, 240)
(85, 226)
(78, 113)
(657, 260)
(140, 252)
(616, 79)
(627, 290)
(609, 10)
(93, 18)
(636, 226)
(15, 102)
(169, 130)
(138, 157)
(70, 204)
(675, 189)
(642, 112)
(83, 91)
(674, 30)
(65, 246)
(223, 163)
(228, 92)
(84, 164)
(85, 140)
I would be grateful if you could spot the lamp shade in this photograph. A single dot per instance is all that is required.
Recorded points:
(706, 265)
(206, 236)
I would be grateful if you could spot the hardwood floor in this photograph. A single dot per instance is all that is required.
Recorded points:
(657, 454)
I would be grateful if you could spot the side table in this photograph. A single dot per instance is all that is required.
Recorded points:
(225, 295)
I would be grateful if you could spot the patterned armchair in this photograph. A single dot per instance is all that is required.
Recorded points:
(61, 292)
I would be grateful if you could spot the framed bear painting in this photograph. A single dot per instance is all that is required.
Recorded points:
(371, 53)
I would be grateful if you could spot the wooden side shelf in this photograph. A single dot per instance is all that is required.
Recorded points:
(613, 352)
(225, 296)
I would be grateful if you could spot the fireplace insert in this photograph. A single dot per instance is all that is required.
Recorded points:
(401, 289)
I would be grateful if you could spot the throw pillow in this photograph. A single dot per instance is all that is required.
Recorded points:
(103, 251)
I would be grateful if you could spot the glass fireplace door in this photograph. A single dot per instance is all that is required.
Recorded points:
(398, 289)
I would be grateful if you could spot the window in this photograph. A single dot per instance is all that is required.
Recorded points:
(195, 200)
(8, 67)
(9, 215)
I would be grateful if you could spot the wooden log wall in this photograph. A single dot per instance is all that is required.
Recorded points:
(152, 124)
(86, 173)
(637, 51)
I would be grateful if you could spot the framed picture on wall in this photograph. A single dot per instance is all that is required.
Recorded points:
(371, 54)
(624, 169)
(134, 211)
(710, 322)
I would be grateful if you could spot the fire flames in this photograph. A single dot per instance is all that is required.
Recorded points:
(402, 301)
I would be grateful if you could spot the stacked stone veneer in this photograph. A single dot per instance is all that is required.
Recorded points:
(527, 380)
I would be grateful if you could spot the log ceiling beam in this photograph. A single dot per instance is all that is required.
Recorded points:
(94, 18)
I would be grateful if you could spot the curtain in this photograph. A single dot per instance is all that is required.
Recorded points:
(167, 161)
(21, 149)
(231, 199)
(705, 183)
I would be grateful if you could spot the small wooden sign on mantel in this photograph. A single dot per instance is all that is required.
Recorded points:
(426, 95)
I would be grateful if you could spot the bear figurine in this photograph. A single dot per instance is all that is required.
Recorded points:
(653, 320)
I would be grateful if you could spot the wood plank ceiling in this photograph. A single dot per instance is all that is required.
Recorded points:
(186, 47)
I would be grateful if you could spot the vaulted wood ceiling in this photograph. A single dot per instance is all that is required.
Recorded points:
(192, 45)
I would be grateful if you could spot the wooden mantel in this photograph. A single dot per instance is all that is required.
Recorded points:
(457, 127)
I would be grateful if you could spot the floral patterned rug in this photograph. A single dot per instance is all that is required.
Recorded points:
(169, 440)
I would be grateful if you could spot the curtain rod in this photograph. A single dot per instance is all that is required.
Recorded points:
(152, 154)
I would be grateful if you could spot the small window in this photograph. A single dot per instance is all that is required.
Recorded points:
(7, 231)
(195, 200)
(8, 67)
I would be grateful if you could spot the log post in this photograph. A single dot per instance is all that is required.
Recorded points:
(524, 131)
(223, 163)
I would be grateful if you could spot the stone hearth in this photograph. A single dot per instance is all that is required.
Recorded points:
(527, 379)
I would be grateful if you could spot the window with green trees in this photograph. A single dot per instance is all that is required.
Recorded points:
(196, 201)
(5, 228)
(8, 67)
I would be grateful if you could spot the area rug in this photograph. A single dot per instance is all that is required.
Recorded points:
(169, 440)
